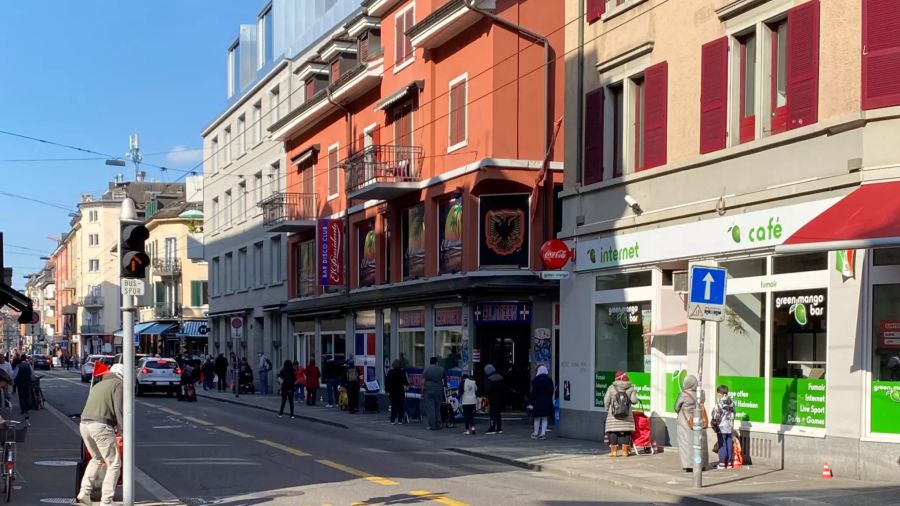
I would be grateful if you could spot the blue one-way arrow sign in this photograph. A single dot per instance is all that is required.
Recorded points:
(706, 300)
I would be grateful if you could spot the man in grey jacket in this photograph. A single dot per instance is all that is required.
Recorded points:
(433, 394)
(101, 418)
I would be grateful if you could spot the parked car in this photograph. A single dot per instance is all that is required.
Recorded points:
(43, 362)
(120, 358)
(87, 368)
(156, 374)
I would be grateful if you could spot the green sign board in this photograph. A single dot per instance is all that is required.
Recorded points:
(749, 396)
(797, 401)
(674, 382)
(640, 380)
(886, 407)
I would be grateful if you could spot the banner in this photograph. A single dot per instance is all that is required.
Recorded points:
(366, 253)
(450, 238)
(797, 401)
(414, 242)
(640, 381)
(331, 252)
(504, 231)
(886, 407)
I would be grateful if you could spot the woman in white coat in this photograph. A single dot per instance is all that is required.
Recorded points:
(468, 401)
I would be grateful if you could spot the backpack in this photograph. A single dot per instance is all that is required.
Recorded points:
(352, 374)
(268, 364)
(621, 404)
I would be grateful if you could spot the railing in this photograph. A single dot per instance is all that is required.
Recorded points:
(383, 164)
(92, 329)
(282, 207)
(166, 311)
(92, 301)
(166, 266)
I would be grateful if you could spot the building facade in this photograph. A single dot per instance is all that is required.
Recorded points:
(41, 337)
(729, 133)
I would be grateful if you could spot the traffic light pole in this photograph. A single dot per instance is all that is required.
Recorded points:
(128, 213)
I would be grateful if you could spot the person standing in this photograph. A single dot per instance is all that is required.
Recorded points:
(23, 375)
(221, 370)
(620, 397)
(395, 384)
(299, 381)
(209, 373)
(541, 401)
(100, 420)
(332, 375)
(263, 367)
(286, 379)
(351, 377)
(312, 381)
(468, 401)
(433, 393)
(685, 406)
(7, 368)
(495, 390)
(723, 424)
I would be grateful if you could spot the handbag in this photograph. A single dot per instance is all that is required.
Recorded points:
(704, 418)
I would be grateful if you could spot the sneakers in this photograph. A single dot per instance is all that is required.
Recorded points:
(721, 466)
(491, 432)
(280, 415)
(292, 417)
(534, 436)
(542, 438)
(81, 500)
(466, 433)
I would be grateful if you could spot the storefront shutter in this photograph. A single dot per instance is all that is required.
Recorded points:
(196, 296)
(713, 95)
(656, 88)
(595, 9)
(593, 136)
(880, 54)
(803, 65)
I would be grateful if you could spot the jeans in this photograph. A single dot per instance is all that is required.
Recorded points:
(299, 392)
(398, 408)
(469, 416)
(264, 382)
(100, 440)
(540, 426)
(331, 392)
(726, 448)
(433, 400)
(208, 381)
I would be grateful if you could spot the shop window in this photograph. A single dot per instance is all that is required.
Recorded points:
(412, 349)
(365, 352)
(448, 337)
(741, 351)
(386, 338)
(886, 358)
(799, 263)
(748, 268)
(620, 345)
(623, 280)
(886, 256)
(334, 344)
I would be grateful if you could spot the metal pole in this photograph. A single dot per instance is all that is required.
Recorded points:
(237, 365)
(698, 429)
(128, 213)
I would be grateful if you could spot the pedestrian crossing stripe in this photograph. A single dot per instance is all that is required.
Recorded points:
(356, 472)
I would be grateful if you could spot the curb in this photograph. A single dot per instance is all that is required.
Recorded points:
(634, 485)
(261, 408)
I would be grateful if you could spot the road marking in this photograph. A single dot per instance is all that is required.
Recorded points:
(233, 432)
(170, 411)
(292, 451)
(436, 498)
(356, 472)
(197, 421)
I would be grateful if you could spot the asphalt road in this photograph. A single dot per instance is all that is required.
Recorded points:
(214, 453)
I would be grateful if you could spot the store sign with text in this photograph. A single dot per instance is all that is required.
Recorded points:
(640, 380)
(886, 407)
(502, 312)
(448, 316)
(331, 252)
(753, 230)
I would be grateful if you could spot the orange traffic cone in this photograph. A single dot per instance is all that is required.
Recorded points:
(827, 474)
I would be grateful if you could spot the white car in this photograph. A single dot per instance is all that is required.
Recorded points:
(87, 368)
(157, 374)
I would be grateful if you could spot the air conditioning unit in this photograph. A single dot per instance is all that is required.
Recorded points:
(681, 281)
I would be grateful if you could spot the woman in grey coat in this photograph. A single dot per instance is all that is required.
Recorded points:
(619, 427)
(685, 406)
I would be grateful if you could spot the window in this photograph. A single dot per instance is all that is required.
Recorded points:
(228, 271)
(403, 50)
(199, 293)
(458, 112)
(275, 247)
(307, 283)
(412, 337)
(241, 134)
(258, 263)
(242, 200)
(275, 175)
(335, 70)
(881, 43)
(214, 154)
(93, 265)
(274, 104)
(779, 76)
(228, 202)
(747, 78)
(333, 170)
(402, 118)
(885, 390)
(258, 186)
(214, 219)
(639, 122)
(93, 239)
(227, 136)
(618, 129)
(234, 69)
(257, 123)
(620, 346)
(242, 269)
(266, 38)
(170, 249)
(93, 216)
(214, 278)
(309, 89)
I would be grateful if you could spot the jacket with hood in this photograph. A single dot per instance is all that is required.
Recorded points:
(723, 415)
(494, 388)
(625, 423)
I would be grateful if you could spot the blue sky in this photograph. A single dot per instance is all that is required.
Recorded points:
(89, 73)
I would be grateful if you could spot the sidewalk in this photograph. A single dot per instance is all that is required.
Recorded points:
(588, 460)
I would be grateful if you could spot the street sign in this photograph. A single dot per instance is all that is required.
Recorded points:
(237, 327)
(131, 286)
(35, 318)
(554, 274)
(706, 299)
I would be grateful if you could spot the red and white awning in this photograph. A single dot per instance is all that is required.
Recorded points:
(681, 328)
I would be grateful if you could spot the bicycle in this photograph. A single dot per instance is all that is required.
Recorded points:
(12, 435)
(37, 395)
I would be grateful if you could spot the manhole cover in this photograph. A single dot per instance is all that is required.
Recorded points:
(58, 500)
(56, 463)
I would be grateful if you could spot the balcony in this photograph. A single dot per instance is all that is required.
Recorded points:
(446, 22)
(289, 212)
(166, 311)
(91, 329)
(69, 309)
(92, 301)
(383, 172)
(166, 267)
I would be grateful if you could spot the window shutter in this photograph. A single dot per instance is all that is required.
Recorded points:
(160, 293)
(656, 88)
(595, 9)
(195, 293)
(803, 65)
(407, 42)
(713, 95)
(593, 136)
(335, 70)
(880, 54)
(461, 111)
(364, 49)
(398, 38)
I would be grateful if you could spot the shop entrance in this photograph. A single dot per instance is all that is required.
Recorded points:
(506, 348)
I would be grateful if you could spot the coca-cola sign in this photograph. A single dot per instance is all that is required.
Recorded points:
(555, 254)
(331, 252)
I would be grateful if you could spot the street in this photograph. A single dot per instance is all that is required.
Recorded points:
(214, 453)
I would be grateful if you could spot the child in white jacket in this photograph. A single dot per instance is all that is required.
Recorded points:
(468, 401)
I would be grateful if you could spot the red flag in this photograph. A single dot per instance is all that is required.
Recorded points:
(542, 174)
(100, 368)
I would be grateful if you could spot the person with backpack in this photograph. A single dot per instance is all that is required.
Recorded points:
(351, 376)
(495, 391)
(286, 379)
(723, 423)
(264, 366)
(541, 402)
(620, 397)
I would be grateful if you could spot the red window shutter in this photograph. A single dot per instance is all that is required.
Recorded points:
(880, 54)
(398, 39)
(713, 95)
(803, 65)
(335, 70)
(364, 49)
(656, 89)
(593, 137)
(407, 42)
(595, 9)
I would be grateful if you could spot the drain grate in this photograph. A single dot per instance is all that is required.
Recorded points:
(56, 463)
(58, 500)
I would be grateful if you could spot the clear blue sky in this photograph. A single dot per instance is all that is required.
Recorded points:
(89, 73)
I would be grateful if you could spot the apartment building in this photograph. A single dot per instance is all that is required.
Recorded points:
(760, 136)
(41, 289)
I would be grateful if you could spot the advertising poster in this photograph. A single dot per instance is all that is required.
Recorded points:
(640, 380)
(331, 252)
(797, 401)
(674, 382)
(886, 407)
(504, 230)
(749, 395)
(366, 253)
(414, 242)
(450, 236)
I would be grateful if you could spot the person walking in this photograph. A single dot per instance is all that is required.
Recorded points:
(23, 374)
(332, 375)
(221, 370)
(6, 390)
(541, 401)
(286, 380)
(312, 381)
(351, 378)
(723, 423)
(468, 400)
(433, 393)
(495, 391)
(100, 420)
(395, 385)
(684, 407)
(209, 373)
(620, 397)
(299, 381)
(263, 366)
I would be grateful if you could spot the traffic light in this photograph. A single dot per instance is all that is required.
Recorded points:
(131, 244)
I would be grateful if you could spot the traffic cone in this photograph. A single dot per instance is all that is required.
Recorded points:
(827, 474)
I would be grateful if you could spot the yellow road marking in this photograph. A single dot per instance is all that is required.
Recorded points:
(356, 472)
(233, 432)
(197, 421)
(170, 411)
(436, 498)
(292, 451)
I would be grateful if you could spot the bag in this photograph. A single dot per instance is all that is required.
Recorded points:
(268, 365)
(621, 404)
(352, 374)
(704, 418)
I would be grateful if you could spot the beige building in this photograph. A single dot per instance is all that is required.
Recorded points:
(759, 136)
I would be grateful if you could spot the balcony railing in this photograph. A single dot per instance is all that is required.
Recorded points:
(92, 301)
(166, 266)
(92, 329)
(289, 212)
(164, 311)
(383, 172)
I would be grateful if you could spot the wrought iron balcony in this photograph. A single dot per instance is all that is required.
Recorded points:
(289, 212)
(166, 266)
(92, 329)
(92, 301)
(383, 172)
(166, 311)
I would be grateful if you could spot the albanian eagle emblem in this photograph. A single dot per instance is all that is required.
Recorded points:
(504, 230)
